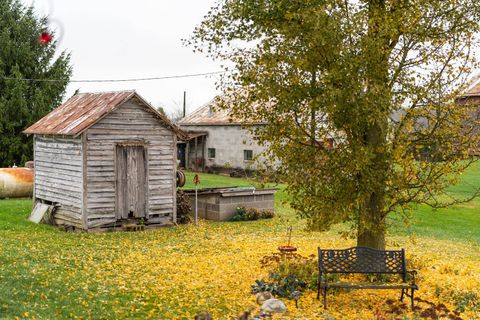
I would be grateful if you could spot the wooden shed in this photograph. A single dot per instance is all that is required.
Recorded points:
(104, 160)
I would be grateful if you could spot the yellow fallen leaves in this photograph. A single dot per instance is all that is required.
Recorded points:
(175, 273)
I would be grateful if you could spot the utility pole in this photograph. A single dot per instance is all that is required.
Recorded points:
(184, 103)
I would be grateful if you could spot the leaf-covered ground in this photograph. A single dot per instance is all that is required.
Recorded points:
(174, 273)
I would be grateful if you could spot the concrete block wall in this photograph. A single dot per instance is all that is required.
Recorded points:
(221, 207)
(229, 142)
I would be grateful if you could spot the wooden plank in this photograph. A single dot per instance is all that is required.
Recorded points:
(103, 199)
(121, 181)
(159, 180)
(39, 211)
(59, 158)
(62, 222)
(157, 162)
(141, 182)
(161, 196)
(73, 148)
(132, 182)
(129, 135)
(168, 203)
(100, 163)
(161, 213)
(161, 206)
(160, 188)
(159, 220)
(103, 183)
(102, 157)
(42, 151)
(93, 170)
(120, 124)
(110, 215)
(59, 174)
(42, 175)
(84, 211)
(60, 185)
(70, 219)
(73, 195)
(95, 179)
(54, 196)
(100, 146)
(57, 139)
(66, 167)
(100, 222)
(74, 213)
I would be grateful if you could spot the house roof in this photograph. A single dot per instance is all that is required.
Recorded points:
(473, 90)
(209, 114)
(212, 113)
(83, 110)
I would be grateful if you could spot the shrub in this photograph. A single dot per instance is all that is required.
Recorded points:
(184, 208)
(244, 214)
(240, 214)
(468, 300)
(266, 214)
(280, 286)
(289, 274)
(253, 214)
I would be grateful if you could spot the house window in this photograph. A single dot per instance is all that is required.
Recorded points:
(211, 152)
(247, 155)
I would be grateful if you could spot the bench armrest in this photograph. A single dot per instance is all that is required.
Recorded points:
(413, 273)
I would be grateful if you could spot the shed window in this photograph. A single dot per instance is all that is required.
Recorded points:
(211, 152)
(247, 155)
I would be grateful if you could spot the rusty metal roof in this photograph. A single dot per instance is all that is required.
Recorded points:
(209, 114)
(83, 110)
(215, 112)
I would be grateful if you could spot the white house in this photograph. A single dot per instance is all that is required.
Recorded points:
(216, 141)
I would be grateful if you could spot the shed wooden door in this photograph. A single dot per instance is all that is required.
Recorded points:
(131, 182)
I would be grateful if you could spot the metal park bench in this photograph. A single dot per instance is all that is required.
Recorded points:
(364, 260)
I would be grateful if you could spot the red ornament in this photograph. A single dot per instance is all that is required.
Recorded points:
(45, 38)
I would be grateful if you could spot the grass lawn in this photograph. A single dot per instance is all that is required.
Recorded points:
(174, 273)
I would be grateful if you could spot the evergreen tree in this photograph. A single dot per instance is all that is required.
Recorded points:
(24, 56)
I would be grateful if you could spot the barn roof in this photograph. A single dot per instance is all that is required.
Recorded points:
(473, 90)
(208, 114)
(83, 110)
(212, 113)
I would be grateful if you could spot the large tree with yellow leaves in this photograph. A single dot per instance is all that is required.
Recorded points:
(378, 76)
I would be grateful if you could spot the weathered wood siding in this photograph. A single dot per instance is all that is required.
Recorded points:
(133, 124)
(59, 177)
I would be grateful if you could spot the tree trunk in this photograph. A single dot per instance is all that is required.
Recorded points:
(371, 218)
(371, 231)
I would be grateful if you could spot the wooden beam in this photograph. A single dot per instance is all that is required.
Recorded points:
(203, 153)
(196, 153)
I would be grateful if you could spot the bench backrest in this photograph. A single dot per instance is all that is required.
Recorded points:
(361, 260)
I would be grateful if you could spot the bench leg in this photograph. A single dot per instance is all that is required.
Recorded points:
(413, 291)
(325, 298)
(403, 293)
(318, 291)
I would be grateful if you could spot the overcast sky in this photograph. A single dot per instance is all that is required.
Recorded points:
(118, 39)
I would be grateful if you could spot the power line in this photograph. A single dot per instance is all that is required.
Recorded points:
(117, 80)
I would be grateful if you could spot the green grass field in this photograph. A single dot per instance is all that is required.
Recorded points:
(172, 273)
